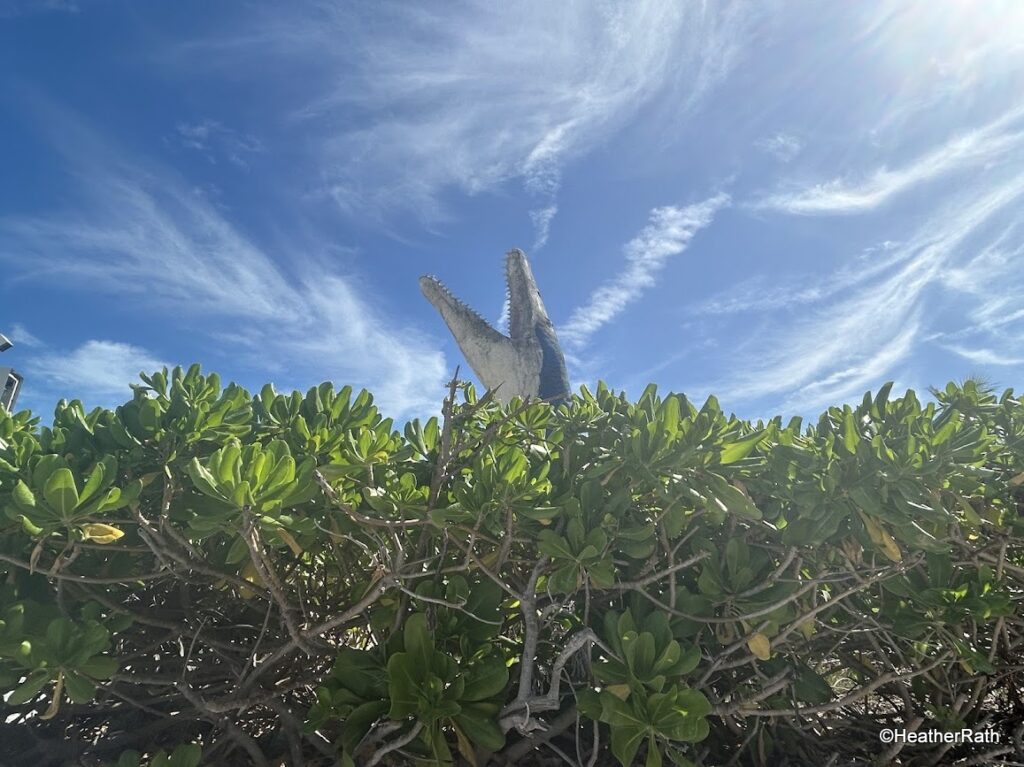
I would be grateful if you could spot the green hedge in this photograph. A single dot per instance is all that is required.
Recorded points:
(237, 579)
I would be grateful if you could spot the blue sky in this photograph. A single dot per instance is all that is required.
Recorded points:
(781, 203)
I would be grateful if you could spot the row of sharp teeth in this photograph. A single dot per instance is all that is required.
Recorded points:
(456, 299)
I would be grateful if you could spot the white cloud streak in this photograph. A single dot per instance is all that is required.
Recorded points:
(843, 196)
(211, 138)
(100, 370)
(784, 147)
(20, 335)
(985, 356)
(142, 236)
(837, 350)
(667, 234)
(755, 295)
(519, 90)
(14, 8)
(542, 219)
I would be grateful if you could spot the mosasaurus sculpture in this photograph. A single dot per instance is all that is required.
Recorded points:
(528, 362)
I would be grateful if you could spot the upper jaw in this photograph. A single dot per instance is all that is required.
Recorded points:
(525, 308)
(525, 305)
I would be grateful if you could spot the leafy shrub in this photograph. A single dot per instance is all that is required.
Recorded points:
(203, 575)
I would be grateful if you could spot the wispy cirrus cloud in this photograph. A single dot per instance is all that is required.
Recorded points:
(758, 294)
(993, 333)
(844, 345)
(98, 370)
(19, 334)
(782, 146)
(139, 233)
(519, 91)
(211, 138)
(542, 218)
(846, 196)
(12, 8)
(667, 234)
(984, 356)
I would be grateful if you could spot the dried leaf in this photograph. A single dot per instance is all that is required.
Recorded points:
(620, 691)
(287, 537)
(58, 692)
(760, 645)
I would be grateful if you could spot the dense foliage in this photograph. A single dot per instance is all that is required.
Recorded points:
(206, 576)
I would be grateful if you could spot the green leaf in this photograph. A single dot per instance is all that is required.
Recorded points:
(731, 452)
(31, 687)
(187, 755)
(551, 544)
(28, 527)
(732, 499)
(361, 672)
(78, 688)
(100, 667)
(940, 569)
(689, 661)
(851, 438)
(602, 574)
(203, 479)
(810, 688)
(418, 642)
(485, 680)
(403, 685)
(626, 740)
(565, 579)
(23, 498)
(60, 492)
(736, 556)
(241, 496)
(103, 471)
(481, 727)
(653, 752)
(359, 721)
(693, 702)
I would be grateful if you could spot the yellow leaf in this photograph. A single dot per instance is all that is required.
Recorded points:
(760, 645)
(285, 536)
(875, 531)
(620, 691)
(808, 628)
(890, 548)
(867, 664)
(967, 667)
(881, 538)
(147, 479)
(490, 560)
(465, 747)
(58, 691)
(96, 531)
(249, 573)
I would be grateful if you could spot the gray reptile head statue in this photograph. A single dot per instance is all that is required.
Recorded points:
(528, 362)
